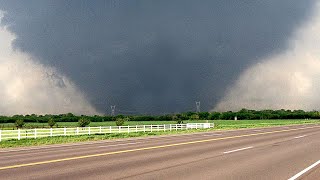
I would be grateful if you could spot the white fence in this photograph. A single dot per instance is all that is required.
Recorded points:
(50, 132)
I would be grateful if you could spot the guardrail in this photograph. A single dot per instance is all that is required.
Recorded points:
(50, 132)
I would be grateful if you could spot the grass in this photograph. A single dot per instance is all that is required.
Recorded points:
(219, 125)
(94, 124)
(227, 124)
(84, 138)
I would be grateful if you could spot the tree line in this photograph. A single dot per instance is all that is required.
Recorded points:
(228, 115)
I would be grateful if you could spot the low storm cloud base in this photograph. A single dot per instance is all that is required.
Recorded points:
(28, 87)
(149, 56)
(289, 80)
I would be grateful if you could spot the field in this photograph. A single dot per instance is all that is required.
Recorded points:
(84, 138)
(229, 124)
(219, 124)
(95, 124)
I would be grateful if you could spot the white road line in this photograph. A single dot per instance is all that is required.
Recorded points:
(227, 152)
(304, 171)
(93, 143)
(119, 144)
(123, 140)
(300, 136)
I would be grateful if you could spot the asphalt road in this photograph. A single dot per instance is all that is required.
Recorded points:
(265, 153)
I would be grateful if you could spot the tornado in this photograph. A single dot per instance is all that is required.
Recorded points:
(28, 87)
(286, 80)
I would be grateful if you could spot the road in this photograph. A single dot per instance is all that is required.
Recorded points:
(264, 153)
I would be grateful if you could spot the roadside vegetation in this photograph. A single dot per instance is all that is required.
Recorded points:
(30, 125)
(71, 120)
(83, 122)
(219, 125)
(84, 138)
(222, 120)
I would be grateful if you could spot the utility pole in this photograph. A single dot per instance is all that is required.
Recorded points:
(113, 110)
(198, 106)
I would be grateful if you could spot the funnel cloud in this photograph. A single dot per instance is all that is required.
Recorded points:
(28, 87)
(155, 57)
(288, 80)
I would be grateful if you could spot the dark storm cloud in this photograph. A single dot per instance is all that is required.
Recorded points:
(153, 56)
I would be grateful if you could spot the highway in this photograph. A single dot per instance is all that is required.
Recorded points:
(282, 152)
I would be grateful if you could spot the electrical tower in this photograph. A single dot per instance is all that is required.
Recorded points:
(113, 110)
(198, 106)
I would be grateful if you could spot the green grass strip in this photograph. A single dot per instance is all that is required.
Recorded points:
(219, 125)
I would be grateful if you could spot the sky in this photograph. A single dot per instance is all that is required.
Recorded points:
(157, 57)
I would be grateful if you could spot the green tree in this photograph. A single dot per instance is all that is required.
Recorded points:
(83, 122)
(203, 115)
(51, 122)
(19, 123)
(194, 117)
(120, 121)
(126, 119)
(177, 118)
(214, 115)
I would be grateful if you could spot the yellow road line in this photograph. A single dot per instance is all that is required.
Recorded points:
(146, 148)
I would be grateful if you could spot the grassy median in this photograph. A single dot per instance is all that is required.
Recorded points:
(219, 125)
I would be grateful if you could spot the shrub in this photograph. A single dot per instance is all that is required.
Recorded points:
(126, 119)
(83, 122)
(177, 119)
(194, 117)
(120, 121)
(19, 123)
(51, 122)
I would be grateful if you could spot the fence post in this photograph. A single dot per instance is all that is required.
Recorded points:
(128, 129)
(89, 130)
(50, 132)
(164, 127)
(119, 129)
(110, 130)
(77, 130)
(100, 130)
(170, 127)
(19, 134)
(35, 133)
(151, 127)
(176, 127)
(136, 128)
(65, 131)
(0, 135)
